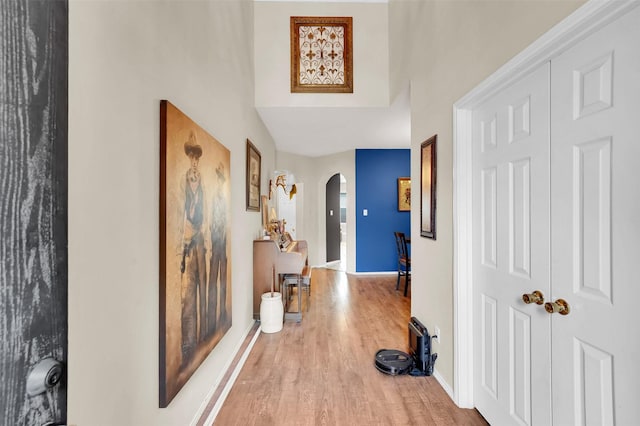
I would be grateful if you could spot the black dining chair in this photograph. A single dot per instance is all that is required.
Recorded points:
(404, 261)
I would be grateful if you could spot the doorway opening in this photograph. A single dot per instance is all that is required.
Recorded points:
(336, 220)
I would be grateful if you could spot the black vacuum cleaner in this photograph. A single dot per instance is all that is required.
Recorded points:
(419, 363)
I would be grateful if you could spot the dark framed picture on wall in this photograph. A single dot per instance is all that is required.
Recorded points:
(404, 194)
(428, 151)
(253, 177)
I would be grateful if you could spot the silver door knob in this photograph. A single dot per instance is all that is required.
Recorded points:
(46, 374)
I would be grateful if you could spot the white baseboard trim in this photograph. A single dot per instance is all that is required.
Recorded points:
(218, 394)
(447, 388)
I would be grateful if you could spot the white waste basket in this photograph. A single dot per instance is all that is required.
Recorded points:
(271, 312)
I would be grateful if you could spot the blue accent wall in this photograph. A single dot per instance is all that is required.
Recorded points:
(377, 173)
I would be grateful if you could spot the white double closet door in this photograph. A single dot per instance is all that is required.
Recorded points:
(556, 206)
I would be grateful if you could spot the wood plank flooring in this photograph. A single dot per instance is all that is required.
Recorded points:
(321, 371)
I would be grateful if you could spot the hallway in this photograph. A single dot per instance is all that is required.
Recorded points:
(341, 264)
(321, 371)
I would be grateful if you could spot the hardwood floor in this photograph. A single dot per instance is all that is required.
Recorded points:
(321, 371)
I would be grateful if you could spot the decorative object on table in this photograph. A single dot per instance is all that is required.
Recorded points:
(253, 177)
(195, 214)
(321, 54)
(428, 151)
(274, 226)
(404, 194)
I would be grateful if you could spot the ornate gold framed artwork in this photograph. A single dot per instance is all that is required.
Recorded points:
(321, 54)
(404, 194)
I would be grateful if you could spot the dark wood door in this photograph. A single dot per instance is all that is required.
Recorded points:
(33, 205)
(333, 218)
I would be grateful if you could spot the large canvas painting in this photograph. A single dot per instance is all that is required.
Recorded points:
(195, 262)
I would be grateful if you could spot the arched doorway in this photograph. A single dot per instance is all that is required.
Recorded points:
(336, 221)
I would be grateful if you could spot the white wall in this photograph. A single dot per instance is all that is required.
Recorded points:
(454, 45)
(124, 57)
(400, 46)
(370, 54)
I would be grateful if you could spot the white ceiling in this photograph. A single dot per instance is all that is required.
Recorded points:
(319, 131)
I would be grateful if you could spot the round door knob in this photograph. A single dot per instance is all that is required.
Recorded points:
(559, 306)
(46, 374)
(535, 297)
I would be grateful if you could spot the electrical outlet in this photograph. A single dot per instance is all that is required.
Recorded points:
(436, 334)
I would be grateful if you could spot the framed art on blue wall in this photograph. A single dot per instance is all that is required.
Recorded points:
(404, 194)
(428, 187)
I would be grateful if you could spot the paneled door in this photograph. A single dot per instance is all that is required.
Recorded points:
(556, 209)
(512, 363)
(595, 223)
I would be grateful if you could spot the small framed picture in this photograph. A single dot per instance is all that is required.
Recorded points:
(404, 194)
(253, 177)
